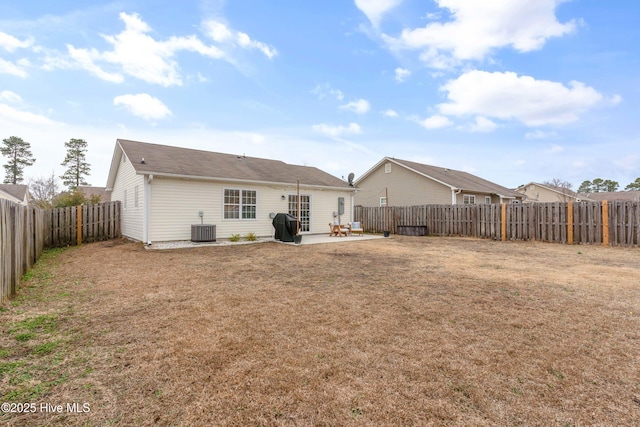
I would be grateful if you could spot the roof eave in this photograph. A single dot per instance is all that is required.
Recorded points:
(243, 181)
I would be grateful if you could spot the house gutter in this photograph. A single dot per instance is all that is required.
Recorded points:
(454, 193)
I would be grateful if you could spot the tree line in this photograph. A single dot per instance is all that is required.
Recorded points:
(44, 191)
(598, 185)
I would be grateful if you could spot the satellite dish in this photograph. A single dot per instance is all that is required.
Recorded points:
(350, 179)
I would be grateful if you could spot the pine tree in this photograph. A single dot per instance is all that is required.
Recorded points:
(19, 154)
(76, 163)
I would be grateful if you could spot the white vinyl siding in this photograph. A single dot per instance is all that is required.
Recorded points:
(175, 205)
(124, 188)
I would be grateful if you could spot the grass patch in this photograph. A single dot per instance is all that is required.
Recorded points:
(46, 348)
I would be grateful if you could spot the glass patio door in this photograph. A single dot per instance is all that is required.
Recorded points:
(305, 210)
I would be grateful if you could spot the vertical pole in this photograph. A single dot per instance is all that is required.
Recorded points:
(79, 225)
(605, 223)
(386, 209)
(503, 222)
(570, 223)
(298, 203)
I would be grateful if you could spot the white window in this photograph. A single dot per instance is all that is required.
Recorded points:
(487, 200)
(135, 197)
(383, 201)
(240, 204)
(125, 200)
(468, 199)
(387, 168)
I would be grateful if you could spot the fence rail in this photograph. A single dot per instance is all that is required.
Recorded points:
(26, 231)
(614, 223)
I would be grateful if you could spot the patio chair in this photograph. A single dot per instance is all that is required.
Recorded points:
(356, 228)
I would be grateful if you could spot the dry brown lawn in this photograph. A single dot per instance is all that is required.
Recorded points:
(400, 331)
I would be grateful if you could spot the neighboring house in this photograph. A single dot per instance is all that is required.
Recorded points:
(18, 193)
(165, 189)
(542, 193)
(409, 183)
(105, 196)
(631, 195)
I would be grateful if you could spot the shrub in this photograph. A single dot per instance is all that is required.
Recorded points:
(234, 238)
(251, 237)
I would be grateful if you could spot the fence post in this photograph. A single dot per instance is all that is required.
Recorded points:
(503, 228)
(605, 223)
(570, 223)
(79, 225)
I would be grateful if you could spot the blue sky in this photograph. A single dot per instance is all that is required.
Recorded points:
(513, 91)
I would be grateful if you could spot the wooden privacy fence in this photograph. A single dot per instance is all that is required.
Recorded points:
(610, 223)
(26, 231)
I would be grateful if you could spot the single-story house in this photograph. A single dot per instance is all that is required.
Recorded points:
(17, 193)
(91, 191)
(164, 190)
(410, 183)
(629, 195)
(543, 193)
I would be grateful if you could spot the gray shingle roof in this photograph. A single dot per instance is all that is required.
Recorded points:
(177, 161)
(632, 195)
(458, 179)
(16, 190)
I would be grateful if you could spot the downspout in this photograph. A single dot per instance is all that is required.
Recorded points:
(146, 217)
(454, 193)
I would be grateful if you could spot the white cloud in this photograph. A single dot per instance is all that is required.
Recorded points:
(14, 115)
(325, 89)
(335, 131)
(221, 33)
(139, 55)
(375, 9)
(10, 43)
(509, 96)
(435, 122)
(402, 74)
(143, 105)
(482, 124)
(84, 59)
(136, 53)
(360, 106)
(7, 67)
(478, 27)
(389, 113)
(11, 97)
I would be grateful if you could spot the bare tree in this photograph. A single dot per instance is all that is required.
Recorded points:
(43, 191)
(563, 187)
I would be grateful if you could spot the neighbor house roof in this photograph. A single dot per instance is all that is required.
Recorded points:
(88, 191)
(17, 191)
(165, 160)
(456, 180)
(632, 195)
(562, 193)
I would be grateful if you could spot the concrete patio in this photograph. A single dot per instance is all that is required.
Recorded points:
(307, 239)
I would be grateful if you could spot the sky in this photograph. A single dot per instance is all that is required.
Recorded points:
(512, 91)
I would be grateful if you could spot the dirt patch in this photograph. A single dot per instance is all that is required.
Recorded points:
(402, 331)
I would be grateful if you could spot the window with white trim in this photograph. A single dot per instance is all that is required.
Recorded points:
(240, 204)
(383, 202)
(487, 200)
(468, 199)
(387, 168)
